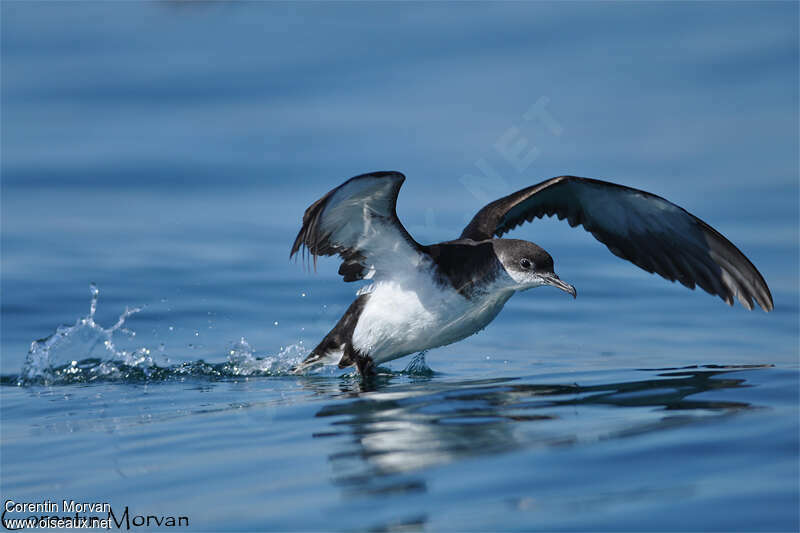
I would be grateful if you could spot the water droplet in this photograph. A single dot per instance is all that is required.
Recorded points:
(275, 323)
(302, 295)
(196, 333)
(172, 328)
(95, 292)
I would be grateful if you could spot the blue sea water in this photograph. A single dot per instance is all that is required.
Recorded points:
(156, 161)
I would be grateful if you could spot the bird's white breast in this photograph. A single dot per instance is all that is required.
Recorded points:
(414, 313)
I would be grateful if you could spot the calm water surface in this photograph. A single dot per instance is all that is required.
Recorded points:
(156, 163)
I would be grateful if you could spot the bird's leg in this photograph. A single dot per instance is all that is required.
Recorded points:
(366, 367)
(351, 356)
(364, 363)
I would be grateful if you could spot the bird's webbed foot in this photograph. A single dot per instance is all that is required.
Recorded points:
(366, 366)
(364, 363)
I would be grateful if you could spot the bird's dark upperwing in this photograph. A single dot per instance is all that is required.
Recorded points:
(643, 228)
(358, 221)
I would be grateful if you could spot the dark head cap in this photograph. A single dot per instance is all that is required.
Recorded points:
(528, 265)
(522, 256)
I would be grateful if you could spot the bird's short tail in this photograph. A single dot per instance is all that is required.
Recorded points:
(317, 359)
(336, 344)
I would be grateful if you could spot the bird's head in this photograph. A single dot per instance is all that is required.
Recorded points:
(528, 265)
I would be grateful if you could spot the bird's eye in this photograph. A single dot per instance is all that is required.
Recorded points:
(525, 263)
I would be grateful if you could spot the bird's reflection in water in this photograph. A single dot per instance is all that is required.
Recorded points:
(391, 431)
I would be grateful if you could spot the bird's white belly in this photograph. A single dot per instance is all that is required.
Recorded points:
(403, 317)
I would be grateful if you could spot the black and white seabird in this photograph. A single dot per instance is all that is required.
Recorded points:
(422, 297)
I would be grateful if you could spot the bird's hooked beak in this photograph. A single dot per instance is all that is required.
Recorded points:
(555, 281)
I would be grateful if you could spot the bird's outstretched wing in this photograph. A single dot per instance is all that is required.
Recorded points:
(358, 221)
(643, 228)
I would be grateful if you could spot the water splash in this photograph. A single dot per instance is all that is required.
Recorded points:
(58, 354)
(418, 366)
(86, 352)
(243, 361)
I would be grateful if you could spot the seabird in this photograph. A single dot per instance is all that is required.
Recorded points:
(425, 296)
